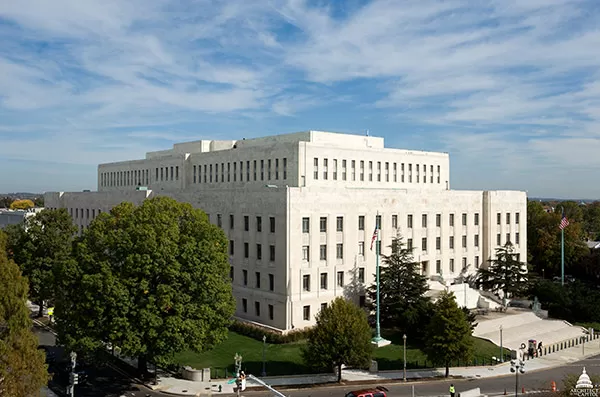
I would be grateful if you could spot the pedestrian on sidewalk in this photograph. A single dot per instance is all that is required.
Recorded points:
(452, 390)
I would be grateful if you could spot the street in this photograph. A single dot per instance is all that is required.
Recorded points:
(531, 381)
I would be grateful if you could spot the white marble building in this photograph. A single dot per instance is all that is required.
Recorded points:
(300, 210)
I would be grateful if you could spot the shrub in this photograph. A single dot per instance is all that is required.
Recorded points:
(256, 332)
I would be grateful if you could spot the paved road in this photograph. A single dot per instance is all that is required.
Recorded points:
(537, 380)
(103, 381)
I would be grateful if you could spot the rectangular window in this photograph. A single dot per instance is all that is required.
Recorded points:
(424, 244)
(362, 170)
(343, 170)
(353, 169)
(246, 250)
(231, 273)
(284, 168)
(235, 171)
(272, 224)
(339, 224)
(258, 251)
(316, 169)
(476, 220)
(228, 172)
(394, 221)
(276, 168)
(259, 223)
(438, 266)
(451, 242)
(476, 240)
(517, 218)
(325, 170)
(340, 279)
(476, 262)
(335, 166)
(378, 222)
(498, 218)
(323, 306)
(271, 314)
(379, 171)
(323, 252)
(323, 224)
(245, 305)
(464, 241)
(517, 238)
(271, 282)
(464, 263)
(219, 220)
(409, 244)
(361, 248)
(339, 251)
(361, 222)
(246, 223)
(507, 238)
(324, 280)
(306, 282)
(231, 247)
(464, 219)
(452, 265)
(409, 221)
(194, 174)
(438, 220)
(424, 220)
(257, 309)
(257, 279)
(306, 313)
(361, 274)
(438, 243)
(245, 276)
(370, 171)
(508, 218)
(272, 253)
(231, 223)
(387, 171)
(498, 239)
(451, 220)
(269, 169)
(305, 225)
(306, 253)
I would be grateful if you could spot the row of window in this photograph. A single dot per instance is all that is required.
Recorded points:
(258, 223)
(339, 223)
(258, 251)
(382, 171)
(257, 278)
(324, 280)
(271, 309)
(82, 213)
(259, 170)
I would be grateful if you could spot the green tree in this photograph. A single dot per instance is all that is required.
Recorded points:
(152, 280)
(504, 273)
(40, 246)
(342, 336)
(39, 201)
(403, 303)
(448, 333)
(21, 204)
(591, 219)
(22, 366)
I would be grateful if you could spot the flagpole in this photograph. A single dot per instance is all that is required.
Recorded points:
(562, 249)
(377, 226)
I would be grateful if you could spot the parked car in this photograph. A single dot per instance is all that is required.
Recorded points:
(378, 391)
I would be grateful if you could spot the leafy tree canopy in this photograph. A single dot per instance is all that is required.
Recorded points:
(342, 336)
(504, 273)
(22, 366)
(40, 246)
(21, 204)
(448, 334)
(152, 280)
(403, 303)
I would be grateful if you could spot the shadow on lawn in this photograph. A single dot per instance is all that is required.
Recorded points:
(273, 368)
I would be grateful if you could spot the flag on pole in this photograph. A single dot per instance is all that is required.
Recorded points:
(374, 237)
(564, 222)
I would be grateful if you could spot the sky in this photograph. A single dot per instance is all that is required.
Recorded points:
(508, 87)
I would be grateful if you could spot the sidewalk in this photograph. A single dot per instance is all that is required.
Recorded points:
(188, 388)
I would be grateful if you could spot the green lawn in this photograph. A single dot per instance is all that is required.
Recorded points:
(286, 359)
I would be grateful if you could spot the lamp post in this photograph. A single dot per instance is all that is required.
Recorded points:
(516, 366)
(264, 371)
(238, 368)
(583, 345)
(404, 362)
(501, 347)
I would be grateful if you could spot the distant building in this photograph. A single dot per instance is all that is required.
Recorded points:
(16, 217)
(300, 210)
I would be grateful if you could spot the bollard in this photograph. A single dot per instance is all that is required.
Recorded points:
(523, 390)
(220, 388)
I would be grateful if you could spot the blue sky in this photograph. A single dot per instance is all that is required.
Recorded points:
(508, 87)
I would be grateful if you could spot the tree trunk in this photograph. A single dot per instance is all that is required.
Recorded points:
(447, 370)
(339, 373)
(143, 365)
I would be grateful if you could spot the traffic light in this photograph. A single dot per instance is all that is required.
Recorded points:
(74, 378)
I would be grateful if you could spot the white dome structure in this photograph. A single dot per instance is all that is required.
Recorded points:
(584, 381)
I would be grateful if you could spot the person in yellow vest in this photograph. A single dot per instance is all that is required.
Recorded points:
(50, 314)
(452, 390)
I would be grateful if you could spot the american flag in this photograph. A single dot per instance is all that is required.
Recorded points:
(374, 237)
(564, 222)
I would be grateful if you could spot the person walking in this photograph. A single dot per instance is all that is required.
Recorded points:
(452, 390)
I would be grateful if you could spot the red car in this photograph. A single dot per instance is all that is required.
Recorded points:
(378, 391)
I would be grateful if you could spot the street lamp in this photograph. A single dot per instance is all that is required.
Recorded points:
(238, 368)
(501, 347)
(404, 337)
(517, 365)
(264, 371)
